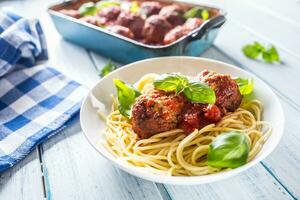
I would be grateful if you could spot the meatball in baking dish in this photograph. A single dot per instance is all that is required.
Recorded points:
(155, 29)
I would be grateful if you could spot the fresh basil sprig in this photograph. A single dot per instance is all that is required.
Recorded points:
(256, 49)
(126, 97)
(194, 91)
(245, 85)
(171, 82)
(199, 92)
(198, 12)
(87, 9)
(109, 67)
(229, 149)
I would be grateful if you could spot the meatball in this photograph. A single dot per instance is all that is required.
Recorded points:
(156, 112)
(155, 29)
(192, 23)
(121, 30)
(197, 115)
(110, 13)
(227, 91)
(173, 14)
(180, 31)
(174, 34)
(134, 22)
(149, 8)
(71, 13)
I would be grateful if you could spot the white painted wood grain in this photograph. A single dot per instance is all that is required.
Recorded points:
(286, 10)
(23, 181)
(254, 184)
(282, 77)
(281, 31)
(77, 171)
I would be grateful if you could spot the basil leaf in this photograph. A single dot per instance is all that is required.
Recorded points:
(198, 12)
(245, 85)
(87, 9)
(256, 49)
(105, 4)
(171, 82)
(271, 55)
(253, 50)
(134, 7)
(229, 149)
(205, 14)
(126, 97)
(200, 93)
(109, 67)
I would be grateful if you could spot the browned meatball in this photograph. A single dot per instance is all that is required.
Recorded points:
(149, 8)
(132, 21)
(192, 23)
(227, 91)
(179, 31)
(173, 14)
(155, 29)
(110, 13)
(174, 34)
(156, 112)
(121, 30)
(71, 13)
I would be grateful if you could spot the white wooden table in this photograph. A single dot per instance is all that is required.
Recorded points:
(66, 166)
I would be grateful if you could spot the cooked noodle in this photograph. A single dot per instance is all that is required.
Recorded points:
(176, 154)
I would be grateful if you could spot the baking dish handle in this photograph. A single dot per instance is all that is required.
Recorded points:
(214, 23)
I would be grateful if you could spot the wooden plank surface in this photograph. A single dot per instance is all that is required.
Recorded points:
(24, 181)
(259, 20)
(254, 184)
(76, 171)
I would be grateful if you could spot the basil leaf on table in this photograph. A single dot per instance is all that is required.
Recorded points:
(200, 93)
(171, 82)
(229, 149)
(126, 97)
(109, 67)
(255, 50)
(198, 12)
(245, 85)
(271, 55)
(87, 9)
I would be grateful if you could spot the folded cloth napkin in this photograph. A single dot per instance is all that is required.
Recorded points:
(36, 101)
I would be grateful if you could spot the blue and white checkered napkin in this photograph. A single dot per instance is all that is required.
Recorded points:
(35, 101)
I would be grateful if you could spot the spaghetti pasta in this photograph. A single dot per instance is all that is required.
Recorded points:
(174, 153)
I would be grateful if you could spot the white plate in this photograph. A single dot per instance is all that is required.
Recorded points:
(92, 125)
